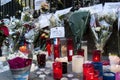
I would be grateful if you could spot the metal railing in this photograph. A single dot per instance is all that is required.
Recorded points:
(12, 7)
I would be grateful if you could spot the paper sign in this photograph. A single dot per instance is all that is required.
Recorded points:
(57, 32)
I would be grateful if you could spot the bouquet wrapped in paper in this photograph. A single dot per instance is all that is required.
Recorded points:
(20, 62)
(101, 25)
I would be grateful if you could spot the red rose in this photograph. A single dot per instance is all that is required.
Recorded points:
(5, 30)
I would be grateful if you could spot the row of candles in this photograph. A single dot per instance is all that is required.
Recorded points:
(91, 71)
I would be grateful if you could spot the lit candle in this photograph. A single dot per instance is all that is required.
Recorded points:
(87, 68)
(109, 76)
(117, 76)
(77, 63)
(96, 56)
(70, 51)
(48, 46)
(57, 70)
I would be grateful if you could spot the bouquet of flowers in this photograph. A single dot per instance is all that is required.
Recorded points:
(101, 27)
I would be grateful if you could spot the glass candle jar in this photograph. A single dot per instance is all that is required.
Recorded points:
(56, 51)
(109, 76)
(57, 70)
(56, 48)
(48, 46)
(87, 68)
(117, 76)
(64, 67)
(96, 56)
(98, 66)
(41, 59)
(70, 49)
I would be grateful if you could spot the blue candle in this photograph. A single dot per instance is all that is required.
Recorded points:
(109, 76)
(98, 66)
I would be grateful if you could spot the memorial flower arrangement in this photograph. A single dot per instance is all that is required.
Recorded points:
(101, 26)
(21, 49)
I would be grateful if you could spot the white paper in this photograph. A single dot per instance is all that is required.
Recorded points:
(38, 3)
(44, 20)
(62, 12)
(112, 5)
(93, 9)
(57, 32)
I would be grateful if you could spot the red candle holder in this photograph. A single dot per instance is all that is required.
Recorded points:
(48, 46)
(80, 52)
(96, 56)
(56, 51)
(87, 68)
(57, 70)
(70, 49)
(93, 75)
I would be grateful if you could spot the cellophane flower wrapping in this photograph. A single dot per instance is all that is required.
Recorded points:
(20, 63)
(101, 25)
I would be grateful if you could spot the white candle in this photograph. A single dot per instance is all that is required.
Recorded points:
(115, 68)
(77, 62)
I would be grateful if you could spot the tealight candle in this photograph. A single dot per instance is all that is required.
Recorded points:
(117, 76)
(70, 51)
(57, 70)
(108, 76)
(77, 62)
(96, 56)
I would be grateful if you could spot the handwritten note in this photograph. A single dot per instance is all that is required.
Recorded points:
(57, 32)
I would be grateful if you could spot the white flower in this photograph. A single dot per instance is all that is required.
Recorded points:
(97, 28)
